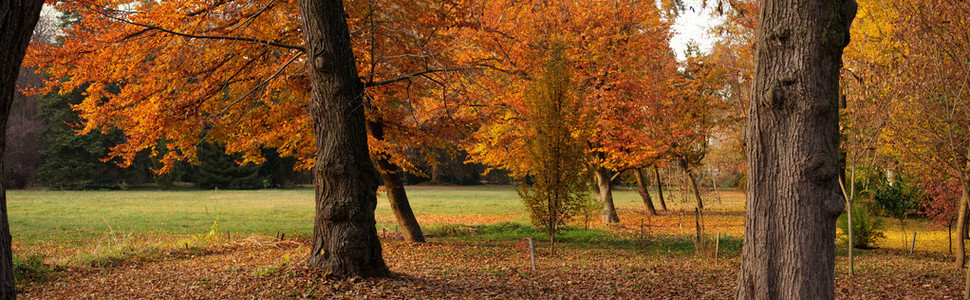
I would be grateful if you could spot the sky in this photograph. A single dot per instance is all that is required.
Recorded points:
(693, 24)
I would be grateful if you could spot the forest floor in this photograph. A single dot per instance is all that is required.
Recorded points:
(477, 249)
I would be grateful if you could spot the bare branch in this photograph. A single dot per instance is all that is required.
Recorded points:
(149, 27)
(415, 74)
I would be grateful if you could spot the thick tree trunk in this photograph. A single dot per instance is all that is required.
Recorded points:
(644, 193)
(693, 183)
(793, 195)
(435, 173)
(345, 241)
(660, 188)
(604, 191)
(394, 186)
(17, 21)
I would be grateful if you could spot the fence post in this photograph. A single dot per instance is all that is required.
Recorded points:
(532, 254)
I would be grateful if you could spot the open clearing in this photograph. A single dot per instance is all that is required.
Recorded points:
(226, 244)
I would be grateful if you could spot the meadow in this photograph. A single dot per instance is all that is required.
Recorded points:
(217, 242)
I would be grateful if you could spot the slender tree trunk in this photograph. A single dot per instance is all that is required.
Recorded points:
(604, 190)
(660, 188)
(345, 241)
(693, 183)
(793, 157)
(961, 254)
(17, 21)
(644, 193)
(394, 186)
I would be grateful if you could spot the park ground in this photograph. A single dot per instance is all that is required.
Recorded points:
(252, 244)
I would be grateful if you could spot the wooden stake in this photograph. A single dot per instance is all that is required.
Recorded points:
(717, 247)
(641, 229)
(532, 254)
(913, 246)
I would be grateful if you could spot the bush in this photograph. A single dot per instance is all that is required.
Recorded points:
(899, 199)
(866, 227)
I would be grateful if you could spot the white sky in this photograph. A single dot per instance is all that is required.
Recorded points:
(693, 24)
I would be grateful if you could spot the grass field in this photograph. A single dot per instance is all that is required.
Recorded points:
(99, 231)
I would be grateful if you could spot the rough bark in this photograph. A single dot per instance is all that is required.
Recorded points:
(604, 192)
(394, 186)
(345, 241)
(793, 158)
(660, 188)
(644, 193)
(17, 21)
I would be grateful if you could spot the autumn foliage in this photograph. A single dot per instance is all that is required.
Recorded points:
(233, 72)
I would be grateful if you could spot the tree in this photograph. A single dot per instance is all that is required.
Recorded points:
(216, 169)
(793, 157)
(72, 161)
(345, 241)
(17, 20)
(557, 185)
(232, 73)
(929, 130)
(619, 51)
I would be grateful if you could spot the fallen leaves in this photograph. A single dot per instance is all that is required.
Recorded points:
(470, 269)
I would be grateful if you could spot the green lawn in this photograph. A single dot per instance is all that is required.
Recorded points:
(79, 216)
(63, 216)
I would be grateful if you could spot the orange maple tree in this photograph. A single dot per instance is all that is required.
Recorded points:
(233, 72)
(622, 70)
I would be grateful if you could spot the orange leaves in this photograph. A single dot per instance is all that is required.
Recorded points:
(233, 72)
(619, 54)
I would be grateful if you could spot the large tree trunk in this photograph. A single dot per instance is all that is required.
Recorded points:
(345, 241)
(660, 188)
(793, 195)
(394, 186)
(17, 21)
(604, 191)
(644, 193)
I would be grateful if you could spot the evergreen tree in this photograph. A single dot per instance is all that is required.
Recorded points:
(216, 169)
(72, 161)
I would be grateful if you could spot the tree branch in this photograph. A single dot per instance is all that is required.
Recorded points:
(149, 27)
(412, 75)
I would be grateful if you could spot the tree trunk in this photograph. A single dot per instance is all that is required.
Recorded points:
(394, 186)
(793, 194)
(693, 183)
(17, 21)
(435, 173)
(345, 241)
(961, 254)
(660, 188)
(604, 191)
(644, 193)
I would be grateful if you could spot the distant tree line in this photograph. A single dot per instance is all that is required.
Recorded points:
(43, 149)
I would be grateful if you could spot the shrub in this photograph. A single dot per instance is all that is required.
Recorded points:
(866, 227)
